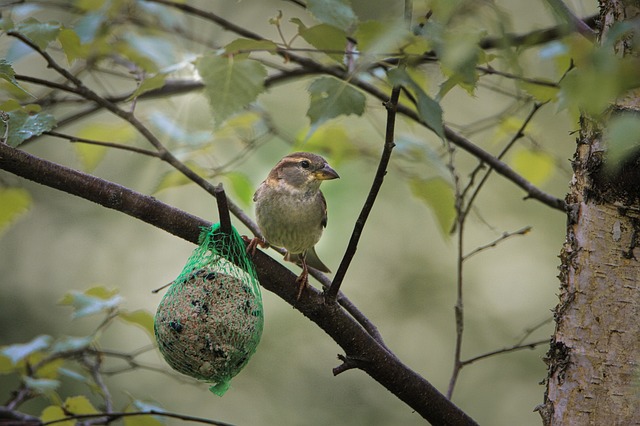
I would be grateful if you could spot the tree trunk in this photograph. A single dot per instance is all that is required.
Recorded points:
(594, 373)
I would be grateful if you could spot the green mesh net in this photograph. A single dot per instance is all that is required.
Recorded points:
(210, 321)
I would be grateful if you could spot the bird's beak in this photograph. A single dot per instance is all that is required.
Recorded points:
(326, 173)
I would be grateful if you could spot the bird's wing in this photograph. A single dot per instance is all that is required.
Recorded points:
(324, 210)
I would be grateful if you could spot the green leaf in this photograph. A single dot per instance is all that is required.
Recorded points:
(53, 413)
(71, 344)
(460, 54)
(438, 194)
(18, 352)
(333, 12)
(7, 73)
(24, 125)
(43, 386)
(230, 83)
(541, 93)
(79, 405)
(623, 139)
(175, 178)
(41, 33)
(15, 202)
(87, 304)
(331, 98)
(71, 45)
(246, 45)
(324, 37)
(148, 84)
(139, 317)
(535, 166)
(429, 110)
(377, 37)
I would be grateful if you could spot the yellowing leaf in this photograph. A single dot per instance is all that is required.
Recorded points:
(148, 420)
(6, 366)
(91, 154)
(50, 370)
(438, 195)
(79, 405)
(71, 45)
(535, 166)
(141, 318)
(15, 202)
(101, 292)
(54, 413)
(328, 138)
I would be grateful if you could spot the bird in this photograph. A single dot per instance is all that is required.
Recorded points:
(291, 211)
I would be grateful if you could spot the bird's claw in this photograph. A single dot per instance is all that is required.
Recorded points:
(253, 243)
(302, 281)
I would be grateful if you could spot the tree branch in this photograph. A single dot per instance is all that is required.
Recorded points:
(380, 364)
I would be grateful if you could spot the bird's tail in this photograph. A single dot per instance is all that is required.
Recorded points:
(311, 258)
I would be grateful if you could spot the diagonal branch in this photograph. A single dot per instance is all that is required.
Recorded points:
(382, 365)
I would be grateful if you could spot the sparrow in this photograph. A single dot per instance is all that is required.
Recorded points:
(291, 211)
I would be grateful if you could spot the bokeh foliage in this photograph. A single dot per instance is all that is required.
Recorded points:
(228, 103)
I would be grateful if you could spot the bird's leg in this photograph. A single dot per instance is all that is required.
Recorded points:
(303, 279)
(254, 243)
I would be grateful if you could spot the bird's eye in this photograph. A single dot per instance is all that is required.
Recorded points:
(304, 164)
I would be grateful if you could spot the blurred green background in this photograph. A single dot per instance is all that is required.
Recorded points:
(403, 276)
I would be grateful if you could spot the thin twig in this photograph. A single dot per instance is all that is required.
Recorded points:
(519, 134)
(497, 241)
(93, 364)
(516, 347)
(459, 306)
(389, 143)
(536, 81)
(119, 146)
(109, 417)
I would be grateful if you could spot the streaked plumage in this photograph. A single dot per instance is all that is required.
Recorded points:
(291, 211)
